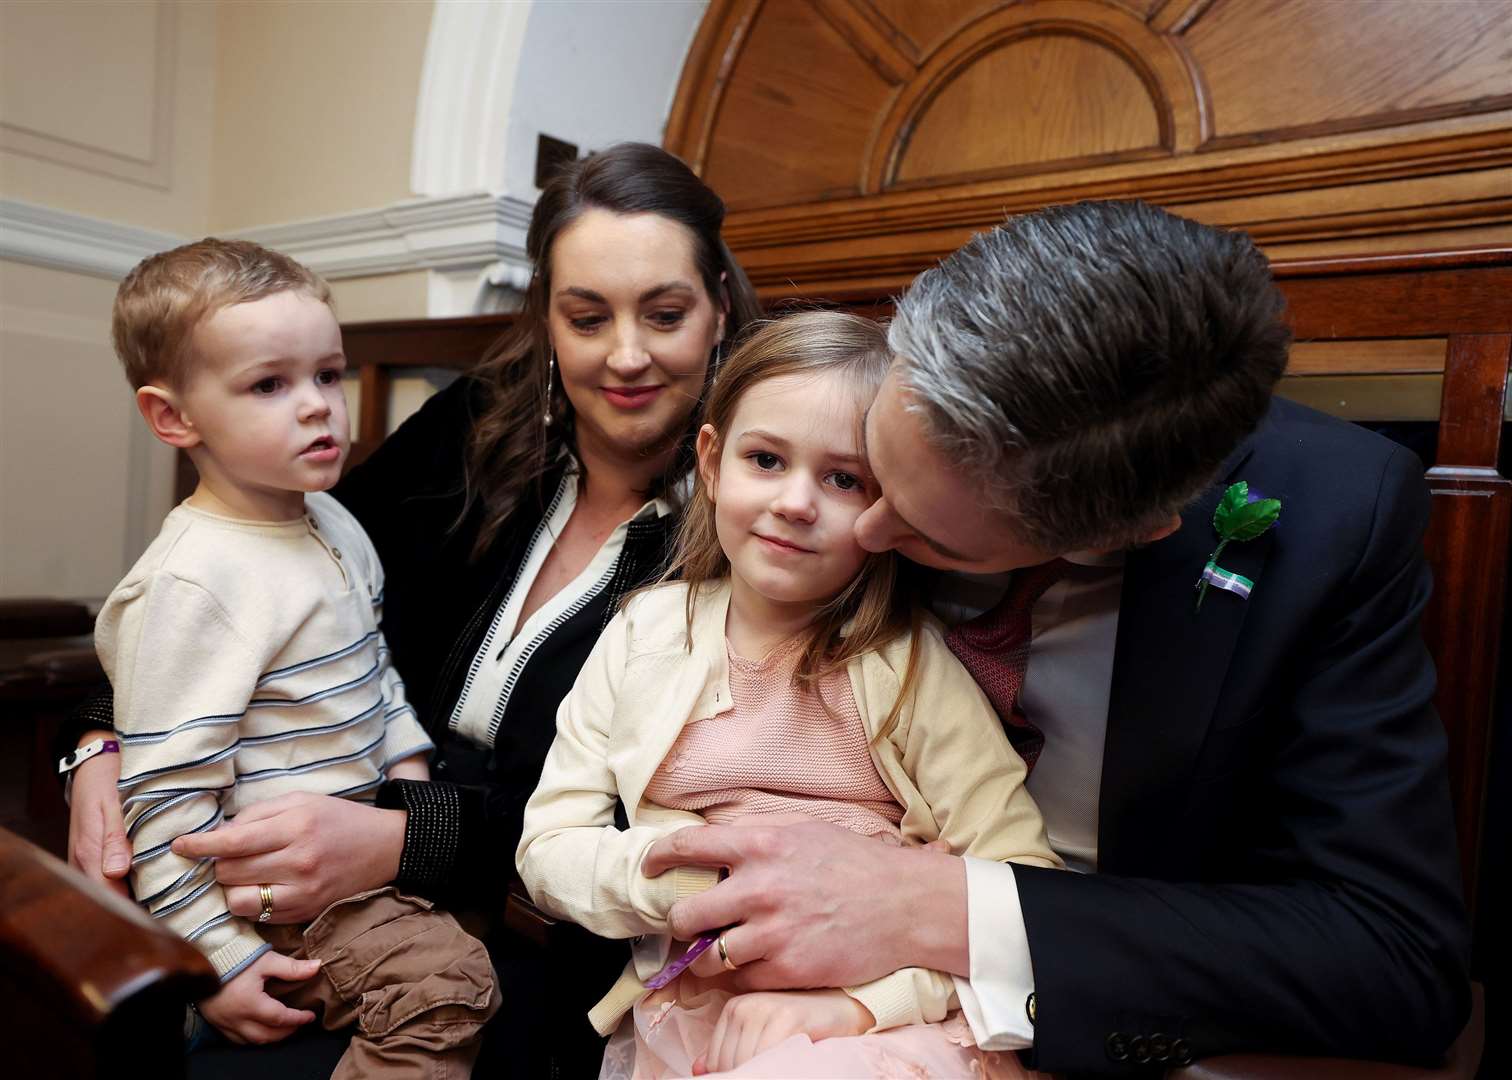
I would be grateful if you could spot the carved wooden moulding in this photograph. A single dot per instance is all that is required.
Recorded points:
(856, 141)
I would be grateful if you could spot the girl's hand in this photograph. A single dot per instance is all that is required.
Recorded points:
(312, 849)
(754, 1023)
(244, 1012)
(97, 842)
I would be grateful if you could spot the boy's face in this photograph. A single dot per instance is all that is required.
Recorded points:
(265, 403)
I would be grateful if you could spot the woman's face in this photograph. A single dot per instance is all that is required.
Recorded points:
(633, 328)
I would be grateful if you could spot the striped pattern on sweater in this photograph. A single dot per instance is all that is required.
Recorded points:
(247, 663)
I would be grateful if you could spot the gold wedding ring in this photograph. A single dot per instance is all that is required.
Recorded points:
(724, 954)
(265, 893)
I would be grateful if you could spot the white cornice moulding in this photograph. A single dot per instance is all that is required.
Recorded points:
(60, 240)
(445, 232)
(435, 233)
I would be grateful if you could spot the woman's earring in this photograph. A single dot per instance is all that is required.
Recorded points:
(550, 378)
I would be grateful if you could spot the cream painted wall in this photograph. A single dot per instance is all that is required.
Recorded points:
(127, 136)
(127, 139)
(315, 107)
(386, 296)
(184, 118)
(83, 486)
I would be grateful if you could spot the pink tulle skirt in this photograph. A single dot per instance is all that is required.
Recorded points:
(667, 1032)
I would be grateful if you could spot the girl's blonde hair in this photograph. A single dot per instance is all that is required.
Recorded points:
(878, 605)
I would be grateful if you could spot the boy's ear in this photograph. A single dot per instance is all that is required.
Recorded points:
(165, 416)
(708, 459)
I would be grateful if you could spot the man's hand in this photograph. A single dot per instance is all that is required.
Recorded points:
(313, 850)
(752, 1024)
(244, 1012)
(817, 905)
(97, 842)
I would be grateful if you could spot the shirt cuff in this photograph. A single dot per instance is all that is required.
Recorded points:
(995, 1000)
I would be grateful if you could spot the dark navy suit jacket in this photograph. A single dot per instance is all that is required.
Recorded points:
(1277, 859)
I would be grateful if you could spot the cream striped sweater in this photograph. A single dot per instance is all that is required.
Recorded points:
(247, 663)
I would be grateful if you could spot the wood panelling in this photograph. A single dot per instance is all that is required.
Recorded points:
(1036, 102)
(809, 83)
(1345, 66)
(918, 27)
(858, 141)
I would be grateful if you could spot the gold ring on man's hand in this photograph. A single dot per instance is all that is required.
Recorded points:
(265, 893)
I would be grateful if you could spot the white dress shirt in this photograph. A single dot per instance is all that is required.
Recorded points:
(1065, 695)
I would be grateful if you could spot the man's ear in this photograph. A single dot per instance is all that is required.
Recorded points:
(1164, 531)
(165, 416)
(708, 459)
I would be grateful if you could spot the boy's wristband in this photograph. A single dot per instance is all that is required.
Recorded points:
(74, 758)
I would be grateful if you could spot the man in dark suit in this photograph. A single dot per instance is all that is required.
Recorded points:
(1252, 786)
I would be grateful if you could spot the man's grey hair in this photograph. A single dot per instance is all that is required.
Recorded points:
(1090, 366)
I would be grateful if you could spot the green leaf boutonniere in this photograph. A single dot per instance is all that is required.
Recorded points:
(1241, 515)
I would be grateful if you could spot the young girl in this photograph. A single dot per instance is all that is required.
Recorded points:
(785, 671)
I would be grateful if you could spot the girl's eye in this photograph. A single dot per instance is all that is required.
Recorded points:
(586, 324)
(846, 482)
(667, 320)
(328, 377)
(765, 461)
(266, 386)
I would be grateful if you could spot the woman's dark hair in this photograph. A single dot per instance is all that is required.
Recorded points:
(511, 445)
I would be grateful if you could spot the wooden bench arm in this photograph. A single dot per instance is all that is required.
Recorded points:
(83, 946)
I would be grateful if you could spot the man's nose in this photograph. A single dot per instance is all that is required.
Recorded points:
(878, 528)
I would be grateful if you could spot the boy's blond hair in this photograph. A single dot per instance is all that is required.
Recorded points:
(168, 294)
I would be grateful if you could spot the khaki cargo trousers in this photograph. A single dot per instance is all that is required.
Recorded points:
(418, 986)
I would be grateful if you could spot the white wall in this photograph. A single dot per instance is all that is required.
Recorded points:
(389, 143)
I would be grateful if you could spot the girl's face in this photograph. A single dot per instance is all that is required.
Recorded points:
(633, 328)
(788, 482)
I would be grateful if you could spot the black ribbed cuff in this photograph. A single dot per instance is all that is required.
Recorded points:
(432, 833)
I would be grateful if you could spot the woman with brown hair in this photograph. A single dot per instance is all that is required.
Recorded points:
(512, 513)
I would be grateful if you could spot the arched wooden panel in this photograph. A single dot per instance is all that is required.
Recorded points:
(858, 141)
(1092, 107)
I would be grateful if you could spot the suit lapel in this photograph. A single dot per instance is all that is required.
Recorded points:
(1169, 666)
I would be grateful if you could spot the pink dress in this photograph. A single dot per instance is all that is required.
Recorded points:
(783, 749)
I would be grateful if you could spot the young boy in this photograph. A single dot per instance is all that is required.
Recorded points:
(247, 662)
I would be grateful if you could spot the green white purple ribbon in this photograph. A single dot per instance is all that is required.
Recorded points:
(1241, 515)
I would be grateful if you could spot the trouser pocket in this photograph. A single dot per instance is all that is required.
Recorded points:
(397, 961)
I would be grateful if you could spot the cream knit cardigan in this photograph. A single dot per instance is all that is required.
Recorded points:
(946, 761)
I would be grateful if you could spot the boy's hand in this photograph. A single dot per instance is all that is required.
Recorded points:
(245, 1013)
(97, 842)
(753, 1023)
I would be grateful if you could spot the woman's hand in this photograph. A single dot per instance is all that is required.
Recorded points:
(97, 842)
(312, 849)
(244, 1012)
(754, 1023)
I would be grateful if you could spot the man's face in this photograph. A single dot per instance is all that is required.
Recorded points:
(926, 511)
